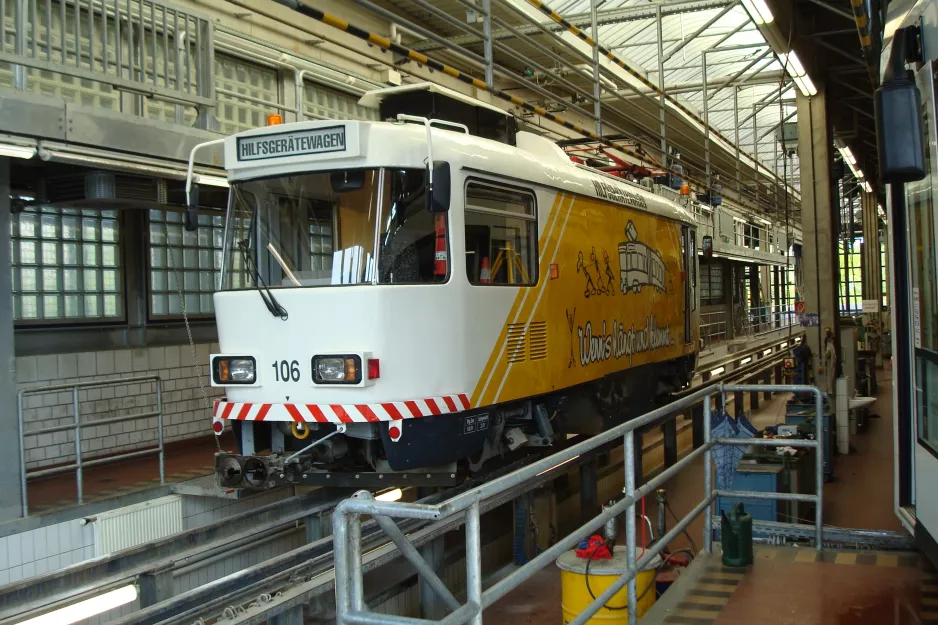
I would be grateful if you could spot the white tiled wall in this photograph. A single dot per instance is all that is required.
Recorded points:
(47, 549)
(184, 412)
(199, 511)
(42, 550)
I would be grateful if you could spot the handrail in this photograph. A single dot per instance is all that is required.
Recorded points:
(180, 38)
(760, 320)
(347, 516)
(77, 425)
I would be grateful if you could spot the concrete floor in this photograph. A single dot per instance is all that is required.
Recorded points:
(860, 496)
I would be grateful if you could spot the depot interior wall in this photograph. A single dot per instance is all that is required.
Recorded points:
(42, 550)
(184, 411)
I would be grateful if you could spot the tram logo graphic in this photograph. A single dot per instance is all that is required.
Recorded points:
(639, 265)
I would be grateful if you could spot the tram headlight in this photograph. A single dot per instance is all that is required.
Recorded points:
(337, 369)
(234, 370)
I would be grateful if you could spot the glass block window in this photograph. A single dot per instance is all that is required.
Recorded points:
(322, 103)
(196, 257)
(66, 265)
(320, 242)
(241, 88)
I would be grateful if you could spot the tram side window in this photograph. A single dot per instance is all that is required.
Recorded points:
(407, 232)
(501, 236)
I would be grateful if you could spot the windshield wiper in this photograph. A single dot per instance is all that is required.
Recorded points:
(269, 300)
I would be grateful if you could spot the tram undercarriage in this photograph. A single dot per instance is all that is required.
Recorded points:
(440, 450)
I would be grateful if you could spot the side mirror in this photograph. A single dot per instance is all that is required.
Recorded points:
(707, 245)
(191, 216)
(897, 105)
(438, 187)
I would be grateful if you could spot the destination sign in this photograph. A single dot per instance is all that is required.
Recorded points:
(297, 143)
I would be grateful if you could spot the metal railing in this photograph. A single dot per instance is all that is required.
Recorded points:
(762, 319)
(346, 519)
(141, 47)
(713, 327)
(76, 427)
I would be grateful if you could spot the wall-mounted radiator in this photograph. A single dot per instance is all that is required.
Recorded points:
(137, 524)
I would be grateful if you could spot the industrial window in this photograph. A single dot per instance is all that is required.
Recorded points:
(739, 230)
(884, 270)
(851, 280)
(501, 237)
(322, 103)
(246, 94)
(66, 265)
(196, 257)
(711, 284)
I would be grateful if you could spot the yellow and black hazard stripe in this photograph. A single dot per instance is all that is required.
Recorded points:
(418, 57)
(928, 585)
(706, 599)
(863, 23)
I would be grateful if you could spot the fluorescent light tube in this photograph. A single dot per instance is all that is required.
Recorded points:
(17, 151)
(86, 609)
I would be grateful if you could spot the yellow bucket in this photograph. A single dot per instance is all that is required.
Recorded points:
(575, 596)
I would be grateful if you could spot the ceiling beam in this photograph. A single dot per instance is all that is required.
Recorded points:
(763, 78)
(583, 20)
(837, 50)
(833, 9)
(698, 32)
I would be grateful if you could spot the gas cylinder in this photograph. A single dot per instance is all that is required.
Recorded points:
(736, 532)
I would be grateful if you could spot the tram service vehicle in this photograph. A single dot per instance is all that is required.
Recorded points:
(401, 301)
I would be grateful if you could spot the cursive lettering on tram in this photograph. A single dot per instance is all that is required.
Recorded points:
(622, 341)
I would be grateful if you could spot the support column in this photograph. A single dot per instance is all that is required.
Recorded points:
(318, 526)
(432, 606)
(669, 432)
(697, 425)
(293, 616)
(639, 438)
(155, 587)
(871, 266)
(589, 497)
(11, 504)
(739, 403)
(819, 223)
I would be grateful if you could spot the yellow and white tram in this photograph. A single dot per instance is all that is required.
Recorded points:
(369, 322)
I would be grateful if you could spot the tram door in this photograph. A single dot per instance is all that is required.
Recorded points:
(689, 253)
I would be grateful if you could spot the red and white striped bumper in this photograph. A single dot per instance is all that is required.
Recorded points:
(342, 413)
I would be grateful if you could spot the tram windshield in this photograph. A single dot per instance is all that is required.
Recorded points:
(346, 227)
